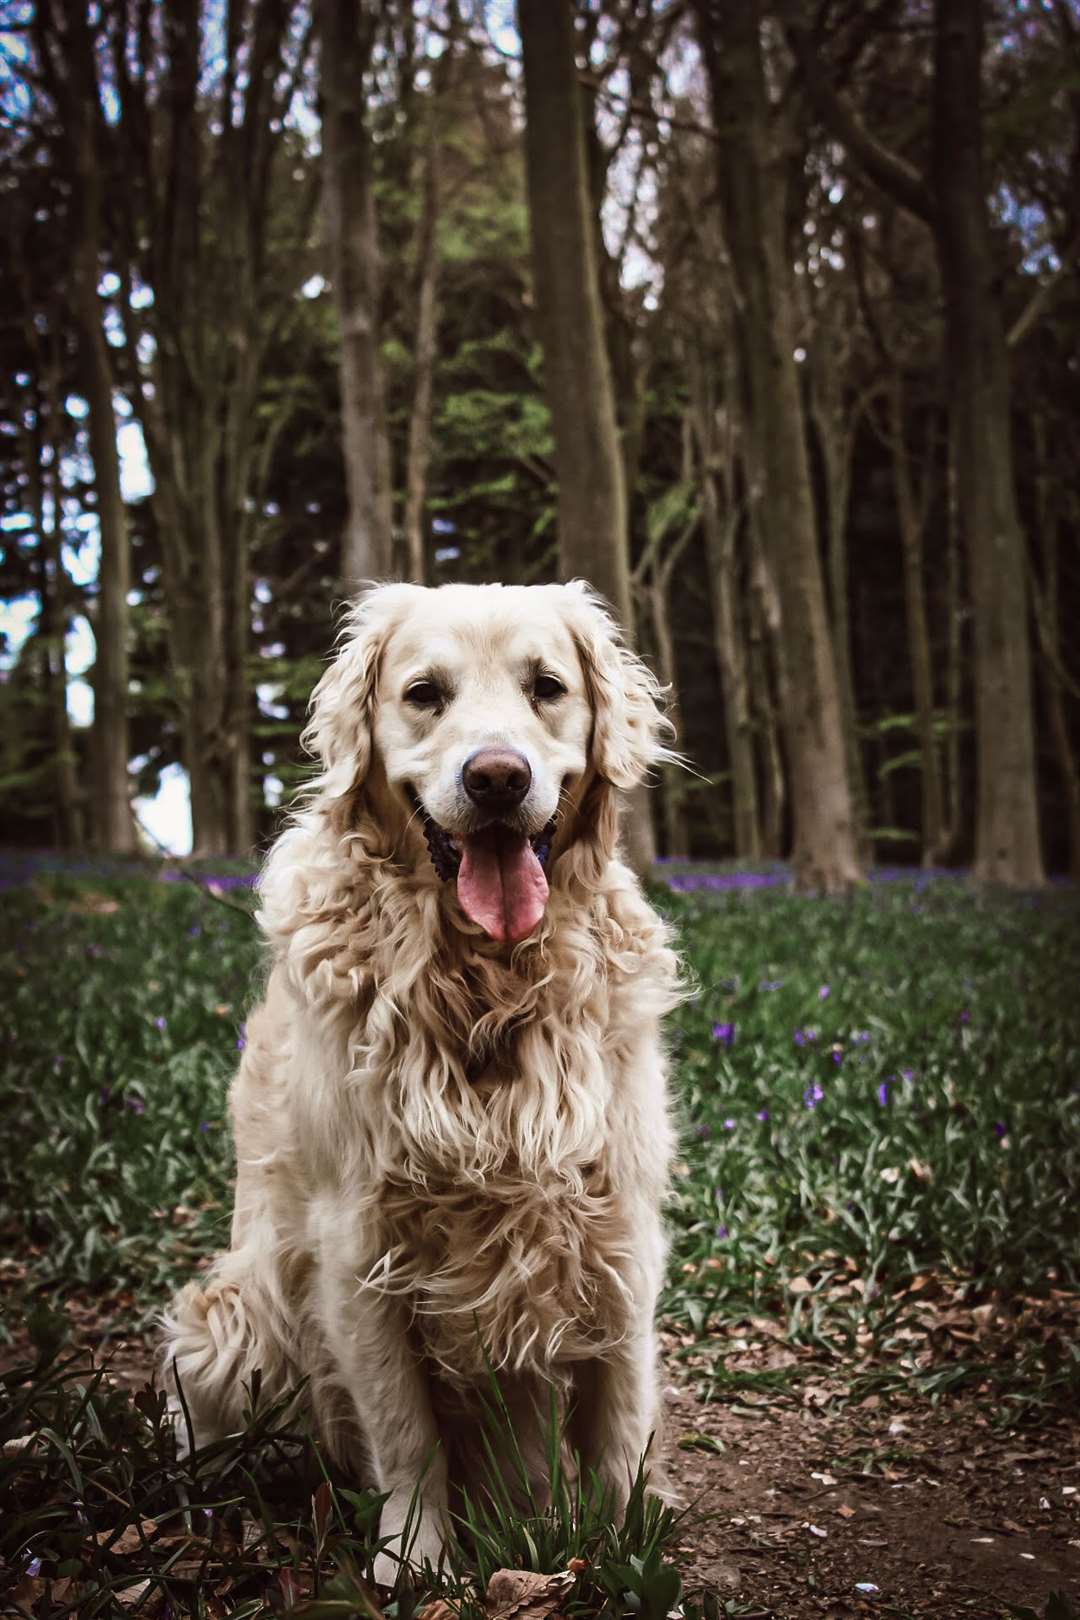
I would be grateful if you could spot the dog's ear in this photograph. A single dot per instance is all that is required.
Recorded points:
(342, 709)
(630, 729)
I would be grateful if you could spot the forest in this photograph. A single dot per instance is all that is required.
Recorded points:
(761, 317)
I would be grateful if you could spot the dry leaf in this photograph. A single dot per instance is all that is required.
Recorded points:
(130, 1538)
(800, 1285)
(521, 1594)
(438, 1610)
(846, 1512)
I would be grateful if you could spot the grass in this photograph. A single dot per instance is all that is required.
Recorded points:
(879, 1103)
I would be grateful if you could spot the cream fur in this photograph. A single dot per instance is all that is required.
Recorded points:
(450, 1153)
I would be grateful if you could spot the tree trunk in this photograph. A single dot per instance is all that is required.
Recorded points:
(922, 675)
(721, 528)
(837, 448)
(347, 30)
(1007, 844)
(825, 855)
(592, 511)
(112, 823)
(676, 824)
(418, 455)
(954, 661)
(68, 818)
(766, 677)
(577, 376)
(1048, 618)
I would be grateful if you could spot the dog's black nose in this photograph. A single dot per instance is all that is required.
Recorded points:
(496, 779)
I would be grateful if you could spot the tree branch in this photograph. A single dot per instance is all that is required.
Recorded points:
(890, 172)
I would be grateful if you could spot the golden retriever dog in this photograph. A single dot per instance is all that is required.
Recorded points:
(451, 1129)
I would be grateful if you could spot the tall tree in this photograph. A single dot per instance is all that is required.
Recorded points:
(347, 39)
(951, 198)
(65, 48)
(592, 513)
(751, 150)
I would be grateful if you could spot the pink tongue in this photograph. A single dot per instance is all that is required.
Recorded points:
(501, 884)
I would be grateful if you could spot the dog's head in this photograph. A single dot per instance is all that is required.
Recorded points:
(486, 729)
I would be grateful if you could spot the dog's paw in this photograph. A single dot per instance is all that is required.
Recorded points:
(413, 1538)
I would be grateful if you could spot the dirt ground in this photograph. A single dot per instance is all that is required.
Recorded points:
(895, 1509)
(801, 1505)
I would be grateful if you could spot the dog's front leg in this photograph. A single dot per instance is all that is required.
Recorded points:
(377, 1365)
(617, 1415)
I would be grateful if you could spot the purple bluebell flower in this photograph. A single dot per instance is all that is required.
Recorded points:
(824, 993)
(135, 1103)
(729, 1124)
(837, 1056)
(241, 1041)
(762, 1114)
(194, 931)
(771, 984)
(721, 1231)
(159, 1023)
(860, 1036)
(883, 1092)
(104, 1094)
(1000, 1129)
(724, 1033)
(813, 1095)
(965, 1016)
(805, 1037)
(204, 1125)
(33, 1566)
(907, 1076)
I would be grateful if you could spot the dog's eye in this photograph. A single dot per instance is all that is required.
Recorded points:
(546, 688)
(424, 695)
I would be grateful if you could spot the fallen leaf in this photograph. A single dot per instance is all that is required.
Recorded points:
(846, 1512)
(130, 1538)
(521, 1593)
(697, 1440)
(1013, 1528)
(800, 1285)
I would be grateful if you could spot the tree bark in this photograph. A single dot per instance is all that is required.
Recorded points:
(577, 376)
(1007, 843)
(910, 515)
(43, 469)
(592, 502)
(825, 855)
(347, 32)
(418, 454)
(1052, 667)
(721, 518)
(837, 445)
(766, 677)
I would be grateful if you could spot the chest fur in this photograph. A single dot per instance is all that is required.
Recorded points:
(508, 1272)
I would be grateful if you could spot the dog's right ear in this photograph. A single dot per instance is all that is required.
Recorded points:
(342, 709)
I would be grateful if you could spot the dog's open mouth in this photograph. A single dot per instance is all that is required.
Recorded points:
(500, 873)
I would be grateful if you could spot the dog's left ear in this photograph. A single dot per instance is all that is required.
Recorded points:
(339, 730)
(630, 729)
